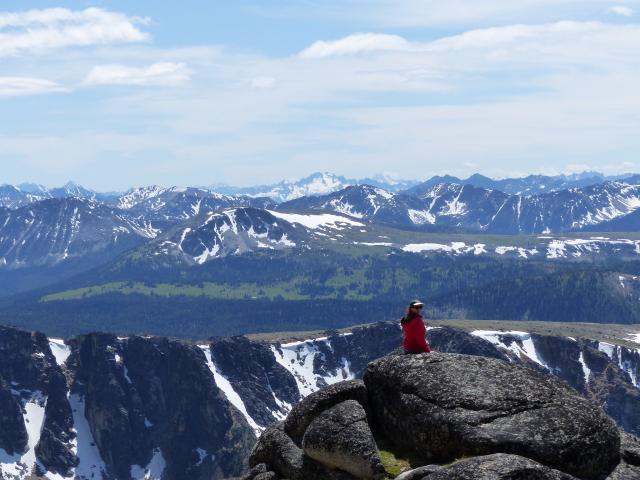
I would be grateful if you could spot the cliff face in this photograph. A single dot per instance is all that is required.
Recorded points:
(139, 407)
(123, 408)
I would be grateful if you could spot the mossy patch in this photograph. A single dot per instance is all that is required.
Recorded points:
(393, 465)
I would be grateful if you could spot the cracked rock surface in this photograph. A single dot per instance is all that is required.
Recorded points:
(497, 467)
(447, 406)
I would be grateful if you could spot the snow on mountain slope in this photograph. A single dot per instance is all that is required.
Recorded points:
(524, 345)
(138, 195)
(60, 350)
(519, 343)
(13, 197)
(223, 384)
(52, 231)
(319, 183)
(231, 232)
(91, 465)
(180, 203)
(299, 358)
(626, 358)
(19, 466)
(317, 221)
(457, 248)
(550, 248)
(468, 207)
(240, 230)
(359, 201)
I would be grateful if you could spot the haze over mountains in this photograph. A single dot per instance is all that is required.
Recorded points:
(319, 183)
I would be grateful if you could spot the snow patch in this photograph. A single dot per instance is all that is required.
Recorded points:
(324, 220)
(298, 359)
(585, 369)
(635, 337)
(84, 446)
(606, 348)
(60, 350)
(525, 347)
(225, 386)
(421, 217)
(153, 471)
(19, 466)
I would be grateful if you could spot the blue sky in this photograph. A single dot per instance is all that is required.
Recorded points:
(117, 93)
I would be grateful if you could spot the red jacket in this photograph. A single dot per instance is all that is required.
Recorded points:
(415, 335)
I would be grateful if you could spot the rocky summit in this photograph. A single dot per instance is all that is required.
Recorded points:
(446, 416)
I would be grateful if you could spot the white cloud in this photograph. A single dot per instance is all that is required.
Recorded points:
(54, 28)
(417, 13)
(160, 74)
(484, 100)
(621, 10)
(20, 86)
(496, 41)
(356, 43)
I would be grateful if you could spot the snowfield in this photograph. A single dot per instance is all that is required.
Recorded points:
(313, 222)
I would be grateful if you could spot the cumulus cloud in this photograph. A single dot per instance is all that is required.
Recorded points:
(159, 74)
(20, 86)
(621, 10)
(354, 44)
(54, 28)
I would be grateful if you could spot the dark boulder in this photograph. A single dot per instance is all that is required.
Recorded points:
(446, 406)
(303, 414)
(276, 449)
(419, 473)
(255, 471)
(629, 467)
(340, 438)
(630, 448)
(497, 467)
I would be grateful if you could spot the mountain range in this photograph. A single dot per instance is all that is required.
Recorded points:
(319, 183)
(134, 407)
(462, 244)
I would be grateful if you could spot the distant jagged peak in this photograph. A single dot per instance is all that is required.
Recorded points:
(28, 187)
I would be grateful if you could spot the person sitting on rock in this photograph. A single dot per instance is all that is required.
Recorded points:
(415, 332)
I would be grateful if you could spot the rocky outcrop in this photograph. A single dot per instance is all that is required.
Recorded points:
(151, 396)
(13, 435)
(505, 421)
(115, 408)
(445, 406)
(285, 459)
(610, 386)
(305, 412)
(340, 438)
(497, 467)
(31, 380)
(153, 405)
